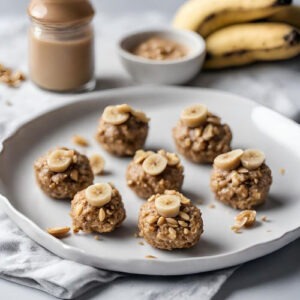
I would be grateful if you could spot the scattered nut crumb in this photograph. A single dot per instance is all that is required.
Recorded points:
(282, 171)
(97, 237)
(245, 218)
(12, 79)
(211, 205)
(58, 232)
(80, 140)
(264, 218)
(141, 243)
(150, 256)
(136, 235)
(97, 163)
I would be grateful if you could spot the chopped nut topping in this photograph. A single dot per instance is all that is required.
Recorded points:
(78, 210)
(58, 232)
(171, 221)
(172, 233)
(74, 175)
(151, 219)
(102, 215)
(282, 171)
(161, 221)
(184, 216)
(186, 231)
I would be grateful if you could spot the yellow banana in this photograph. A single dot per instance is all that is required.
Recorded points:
(246, 43)
(288, 14)
(206, 16)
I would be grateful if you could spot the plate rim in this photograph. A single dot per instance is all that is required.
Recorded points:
(154, 267)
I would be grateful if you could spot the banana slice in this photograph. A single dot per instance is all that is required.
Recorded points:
(98, 194)
(229, 161)
(113, 115)
(124, 108)
(194, 115)
(154, 164)
(252, 159)
(59, 160)
(168, 206)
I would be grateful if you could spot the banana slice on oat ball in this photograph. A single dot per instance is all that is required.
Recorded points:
(59, 160)
(113, 115)
(168, 205)
(194, 115)
(229, 160)
(98, 194)
(252, 159)
(155, 164)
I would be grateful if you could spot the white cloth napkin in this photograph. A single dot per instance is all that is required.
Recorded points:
(25, 262)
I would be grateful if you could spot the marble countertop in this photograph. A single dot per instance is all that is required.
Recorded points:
(275, 85)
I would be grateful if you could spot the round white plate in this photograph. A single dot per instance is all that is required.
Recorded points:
(219, 247)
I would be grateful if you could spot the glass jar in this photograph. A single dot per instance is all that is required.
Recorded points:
(61, 45)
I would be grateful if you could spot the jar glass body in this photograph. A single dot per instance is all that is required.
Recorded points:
(61, 58)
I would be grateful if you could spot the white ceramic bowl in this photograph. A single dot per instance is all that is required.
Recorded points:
(163, 72)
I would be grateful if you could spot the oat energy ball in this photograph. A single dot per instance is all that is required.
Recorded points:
(62, 172)
(241, 179)
(170, 221)
(122, 130)
(200, 136)
(150, 173)
(98, 208)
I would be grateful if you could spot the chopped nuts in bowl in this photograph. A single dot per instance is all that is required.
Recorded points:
(175, 63)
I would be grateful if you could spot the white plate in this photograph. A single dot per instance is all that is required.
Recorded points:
(219, 247)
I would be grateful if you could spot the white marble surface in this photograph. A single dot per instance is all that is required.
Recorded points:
(276, 85)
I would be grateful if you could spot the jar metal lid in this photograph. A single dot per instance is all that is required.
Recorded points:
(60, 11)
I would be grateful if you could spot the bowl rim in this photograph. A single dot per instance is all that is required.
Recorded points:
(199, 50)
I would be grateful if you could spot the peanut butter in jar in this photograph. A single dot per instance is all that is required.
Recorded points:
(61, 45)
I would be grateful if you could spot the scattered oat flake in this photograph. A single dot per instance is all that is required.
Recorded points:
(97, 237)
(150, 256)
(80, 140)
(211, 205)
(141, 243)
(282, 171)
(136, 235)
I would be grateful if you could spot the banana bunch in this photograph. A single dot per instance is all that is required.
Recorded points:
(231, 38)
